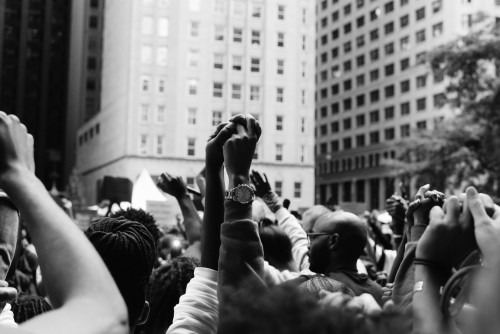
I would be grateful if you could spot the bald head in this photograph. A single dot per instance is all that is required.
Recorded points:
(311, 215)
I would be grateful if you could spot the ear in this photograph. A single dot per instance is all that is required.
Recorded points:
(144, 314)
(333, 241)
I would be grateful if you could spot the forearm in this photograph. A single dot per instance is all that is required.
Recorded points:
(212, 217)
(70, 265)
(427, 316)
(192, 221)
(297, 236)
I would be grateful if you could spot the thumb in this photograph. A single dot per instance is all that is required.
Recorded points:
(475, 206)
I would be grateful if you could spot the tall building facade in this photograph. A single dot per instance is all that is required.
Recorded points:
(374, 87)
(173, 70)
(34, 49)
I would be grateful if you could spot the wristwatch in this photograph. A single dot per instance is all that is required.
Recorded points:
(242, 194)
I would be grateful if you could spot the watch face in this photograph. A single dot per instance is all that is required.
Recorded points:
(243, 194)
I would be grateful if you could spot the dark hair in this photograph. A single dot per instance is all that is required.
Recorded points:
(128, 250)
(140, 216)
(313, 286)
(276, 243)
(167, 284)
(27, 306)
(287, 310)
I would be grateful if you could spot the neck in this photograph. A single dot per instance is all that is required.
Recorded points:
(337, 263)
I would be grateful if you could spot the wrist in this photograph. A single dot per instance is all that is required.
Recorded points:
(237, 179)
(11, 179)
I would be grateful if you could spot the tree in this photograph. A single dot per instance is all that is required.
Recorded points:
(464, 147)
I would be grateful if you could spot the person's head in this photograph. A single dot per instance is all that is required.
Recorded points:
(27, 306)
(313, 286)
(341, 242)
(311, 215)
(166, 286)
(277, 245)
(128, 250)
(170, 246)
(140, 216)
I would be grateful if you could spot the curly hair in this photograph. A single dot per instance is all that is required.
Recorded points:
(140, 216)
(167, 284)
(27, 306)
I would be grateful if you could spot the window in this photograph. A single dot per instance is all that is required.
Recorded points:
(374, 117)
(324, 57)
(218, 61)
(421, 104)
(439, 100)
(236, 91)
(217, 89)
(279, 152)
(254, 93)
(239, 8)
(323, 75)
(420, 36)
(147, 25)
(335, 16)
(422, 125)
(405, 130)
(193, 58)
(144, 113)
(237, 63)
(360, 120)
(347, 143)
(347, 85)
(389, 91)
(347, 124)
(162, 56)
(143, 144)
(374, 96)
(162, 29)
(93, 21)
(334, 146)
(219, 33)
(335, 71)
(334, 127)
(360, 80)
(334, 108)
(360, 60)
(389, 28)
(255, 37)
(279, 94)
(404, 20)
(389, 134)
(389, 113)
(160, 114)
(421, 81)
(304, 67)
(389, 49)
(255, 65)
(303, 125)
(360, 41)
(192, 116)
(278, 185)
(237, 35)
(374, 55)
(281, 12)
(405, 86)
(436, 5)
(421, 58)
(297, 189)
(191, 145)
(437, 29)
(146, 54)
(194, 29)
(347, 28)
(360, 3)
(374, 75)
(335, 89)
(374, 35)
(347, 47)
(220, 6)
(279, 123)
(389, 7)
(347, 9)
(335, 34)
(324, 93)
(324, 22)
(281, 39)
(280, 67)
(420, 13)
(347, 104)
(404, 2)
(374, 14)
(404, 43)
(195, 5)
(256, 11)
(360, 100)
(304, 42)
(360, 140)
(193, 86)
(466, 21)
(374, 137)
(145, 83)
(389, 70)
(91, 63)
(360, 21)
(405, 64)
(347, 66)
(405, 108)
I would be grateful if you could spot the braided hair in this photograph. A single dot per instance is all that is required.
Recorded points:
(27, 306)
(168, 283)
(140, 216)
(128, 250)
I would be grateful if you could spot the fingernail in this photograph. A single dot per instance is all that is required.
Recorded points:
(472, 192)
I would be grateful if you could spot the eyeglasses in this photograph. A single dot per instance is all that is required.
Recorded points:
(312, 236)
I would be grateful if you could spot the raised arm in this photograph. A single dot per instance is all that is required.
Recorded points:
(77, 281)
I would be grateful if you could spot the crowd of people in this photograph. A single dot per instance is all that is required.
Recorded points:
(247, 264)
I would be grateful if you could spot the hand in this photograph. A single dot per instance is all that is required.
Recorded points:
(6, 293)
(174, 186)
(239, 149)
(396, 206)
(201, 182)
(364, 303)
(486, 229)
(214, 154)
(262, 186)
(449, 238)
(16, 145)
(425, 200)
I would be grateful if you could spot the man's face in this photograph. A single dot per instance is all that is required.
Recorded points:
(318, 252)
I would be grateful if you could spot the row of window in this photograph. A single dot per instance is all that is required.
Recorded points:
(388, 7)
(160, 55)
(353, 163)
(374, 138)
(89, 134)
(389, 48)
